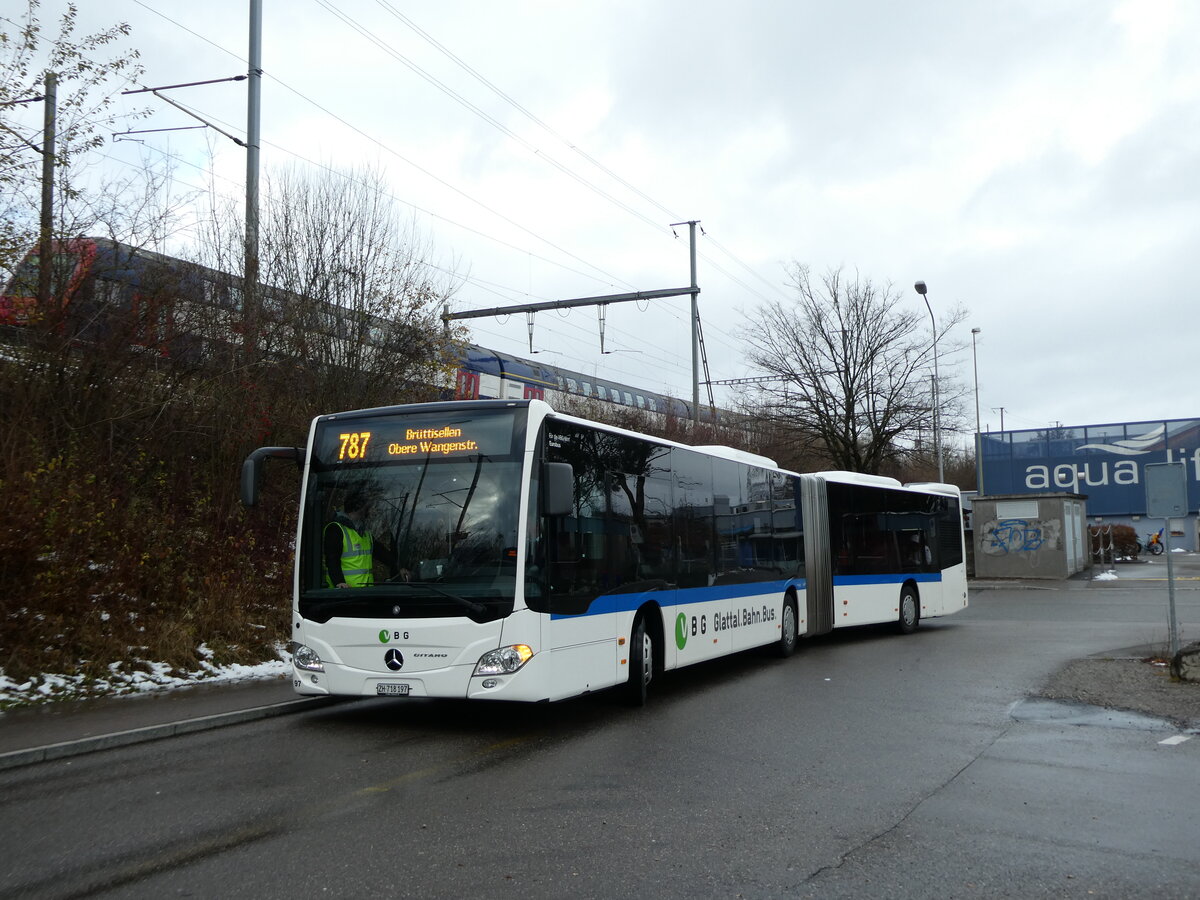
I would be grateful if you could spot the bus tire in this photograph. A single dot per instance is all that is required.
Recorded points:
(786, 645)
(641, 663)
(910, 610)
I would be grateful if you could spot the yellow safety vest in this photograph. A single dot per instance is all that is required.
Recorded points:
(357, 558)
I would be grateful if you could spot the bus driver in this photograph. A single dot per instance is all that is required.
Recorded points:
(349, 549)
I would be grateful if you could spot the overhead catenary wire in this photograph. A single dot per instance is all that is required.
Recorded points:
(369, 35)
(714, 335)
(384, 45)
(407, 203)
(670, 214)
(507, 131)
(491, 120)
(612, 278)
(213, 173)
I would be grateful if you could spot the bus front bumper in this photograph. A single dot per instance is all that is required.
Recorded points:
(450, 682)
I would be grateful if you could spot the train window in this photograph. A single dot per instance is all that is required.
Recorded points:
(587, 389)
(601, 392)
(651, 405)
(641, 401)
(216, 294)
(628, 399)
(572, 385)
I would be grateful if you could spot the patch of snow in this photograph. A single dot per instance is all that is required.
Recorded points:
(1110, 575)
(136, 679)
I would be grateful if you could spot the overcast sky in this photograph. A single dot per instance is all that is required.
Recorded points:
(1036, 162)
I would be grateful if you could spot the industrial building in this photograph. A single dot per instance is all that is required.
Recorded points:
(1104, 462)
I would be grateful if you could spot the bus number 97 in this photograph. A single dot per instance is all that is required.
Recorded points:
(354, 445)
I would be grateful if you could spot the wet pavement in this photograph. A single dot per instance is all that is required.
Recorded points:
(63, 729)
(57, 730)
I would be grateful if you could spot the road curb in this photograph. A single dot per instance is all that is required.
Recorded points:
(16, 758)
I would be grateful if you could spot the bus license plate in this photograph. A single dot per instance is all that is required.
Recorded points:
(392, 690)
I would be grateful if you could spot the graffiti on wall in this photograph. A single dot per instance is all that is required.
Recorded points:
(1002, 537)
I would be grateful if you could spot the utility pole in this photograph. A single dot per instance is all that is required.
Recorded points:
(254, 94)
(45, 239)
(695, 292)
(695, 332)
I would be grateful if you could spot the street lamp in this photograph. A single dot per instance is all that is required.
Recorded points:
(978, 434)
(937, 441)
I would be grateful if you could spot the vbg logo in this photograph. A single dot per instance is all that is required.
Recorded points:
(681, 631)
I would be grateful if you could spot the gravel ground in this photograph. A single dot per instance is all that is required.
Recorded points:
(1129, 684)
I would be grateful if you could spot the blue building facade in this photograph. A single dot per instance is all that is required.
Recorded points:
(1105, 462)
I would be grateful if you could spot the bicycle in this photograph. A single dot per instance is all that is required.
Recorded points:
(1154, 543)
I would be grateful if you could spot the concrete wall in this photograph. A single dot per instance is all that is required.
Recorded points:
(1030, 536)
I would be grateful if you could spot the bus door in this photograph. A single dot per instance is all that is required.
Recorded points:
(582, 630)
(707, 542)
(818, 562)
(642, 559)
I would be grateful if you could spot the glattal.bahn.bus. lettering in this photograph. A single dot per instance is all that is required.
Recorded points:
(742, 617)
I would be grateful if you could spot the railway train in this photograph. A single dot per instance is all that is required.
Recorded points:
(94, 276)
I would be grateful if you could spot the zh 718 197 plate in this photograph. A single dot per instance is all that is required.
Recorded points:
(392, 690)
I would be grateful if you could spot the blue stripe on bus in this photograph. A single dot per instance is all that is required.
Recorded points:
(920, 577)
(612, 603)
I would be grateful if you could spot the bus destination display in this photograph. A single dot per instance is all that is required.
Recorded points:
(386, 439)
(425, 441)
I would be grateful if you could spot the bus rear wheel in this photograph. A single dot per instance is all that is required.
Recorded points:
(641, 663)
(910, 610)
(786, 645)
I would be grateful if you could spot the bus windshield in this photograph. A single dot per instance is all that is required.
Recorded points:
(413, 515)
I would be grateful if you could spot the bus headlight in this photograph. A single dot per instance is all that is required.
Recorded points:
(306, 658)
(503, 661)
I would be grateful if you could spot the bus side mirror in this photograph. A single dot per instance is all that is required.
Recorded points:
(252, 468)
(558, 489)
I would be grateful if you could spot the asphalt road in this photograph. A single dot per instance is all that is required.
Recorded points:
(870, 764)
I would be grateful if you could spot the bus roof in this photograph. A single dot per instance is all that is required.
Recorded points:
(859, 478)
(737, 455)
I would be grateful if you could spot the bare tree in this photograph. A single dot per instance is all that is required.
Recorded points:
(851, 371)
(84, 109)
(351, 296)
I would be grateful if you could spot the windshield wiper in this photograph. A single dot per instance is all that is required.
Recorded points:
(470, 605)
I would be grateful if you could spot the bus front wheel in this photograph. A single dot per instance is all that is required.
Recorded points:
(641, 663)
(910, 610)
(786, 645)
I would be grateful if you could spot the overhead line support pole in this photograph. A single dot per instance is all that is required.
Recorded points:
(45, 238)
(565, 304)
(695, 292)
(695, 330)
(253, 116)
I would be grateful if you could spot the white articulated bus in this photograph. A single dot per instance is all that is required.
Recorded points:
(515, 553)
